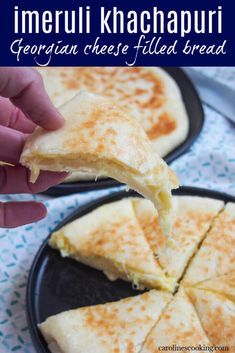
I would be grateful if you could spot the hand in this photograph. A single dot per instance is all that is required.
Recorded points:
(24, 104)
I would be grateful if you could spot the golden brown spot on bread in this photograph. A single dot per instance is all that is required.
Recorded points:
(111, 131)
(139, 91)
(167, 316)
(143, 307)
(150, 343)
(100, 147)
(130, 347)
(72, 83)
(165, 125)
(101, 319)
(88, 124)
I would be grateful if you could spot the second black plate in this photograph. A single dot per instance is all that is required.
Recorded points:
(56, 284)
(196, 118)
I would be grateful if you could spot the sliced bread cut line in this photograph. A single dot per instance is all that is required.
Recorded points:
(200, 244)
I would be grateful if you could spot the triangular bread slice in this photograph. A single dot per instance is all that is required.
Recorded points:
(192, 218)
(110, 239)
(178, 325)
(217, 253)
(102, 138)
(217, 316)
(117, 327)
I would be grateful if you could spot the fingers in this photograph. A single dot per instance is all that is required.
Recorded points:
(15, 180)
(11, 145)
(12, 117)
(14, 214)
(24, 87)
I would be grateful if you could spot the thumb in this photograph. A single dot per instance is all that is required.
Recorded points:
(24, 87)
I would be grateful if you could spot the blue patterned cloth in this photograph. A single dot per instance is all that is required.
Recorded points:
(209, 163)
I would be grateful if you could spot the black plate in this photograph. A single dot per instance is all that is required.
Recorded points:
(56, 284)
(196, 118)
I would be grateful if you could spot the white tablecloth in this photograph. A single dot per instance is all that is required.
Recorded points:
(209, 163)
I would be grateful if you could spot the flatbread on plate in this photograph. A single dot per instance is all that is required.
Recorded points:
(111, 240)
(178, 325)
(192, 218)
(150, 93)
(100, 137)
(217, 253)
(117, 327)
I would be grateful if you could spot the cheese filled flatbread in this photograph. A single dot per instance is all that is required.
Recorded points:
(150, 93)
(217, 253)
(217, 316)
(102, 138)
(192, 218)
(178, 325)
(111, 240)
(117, 327)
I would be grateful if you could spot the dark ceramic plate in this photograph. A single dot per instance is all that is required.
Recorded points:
(196, 118)
(56, 284)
